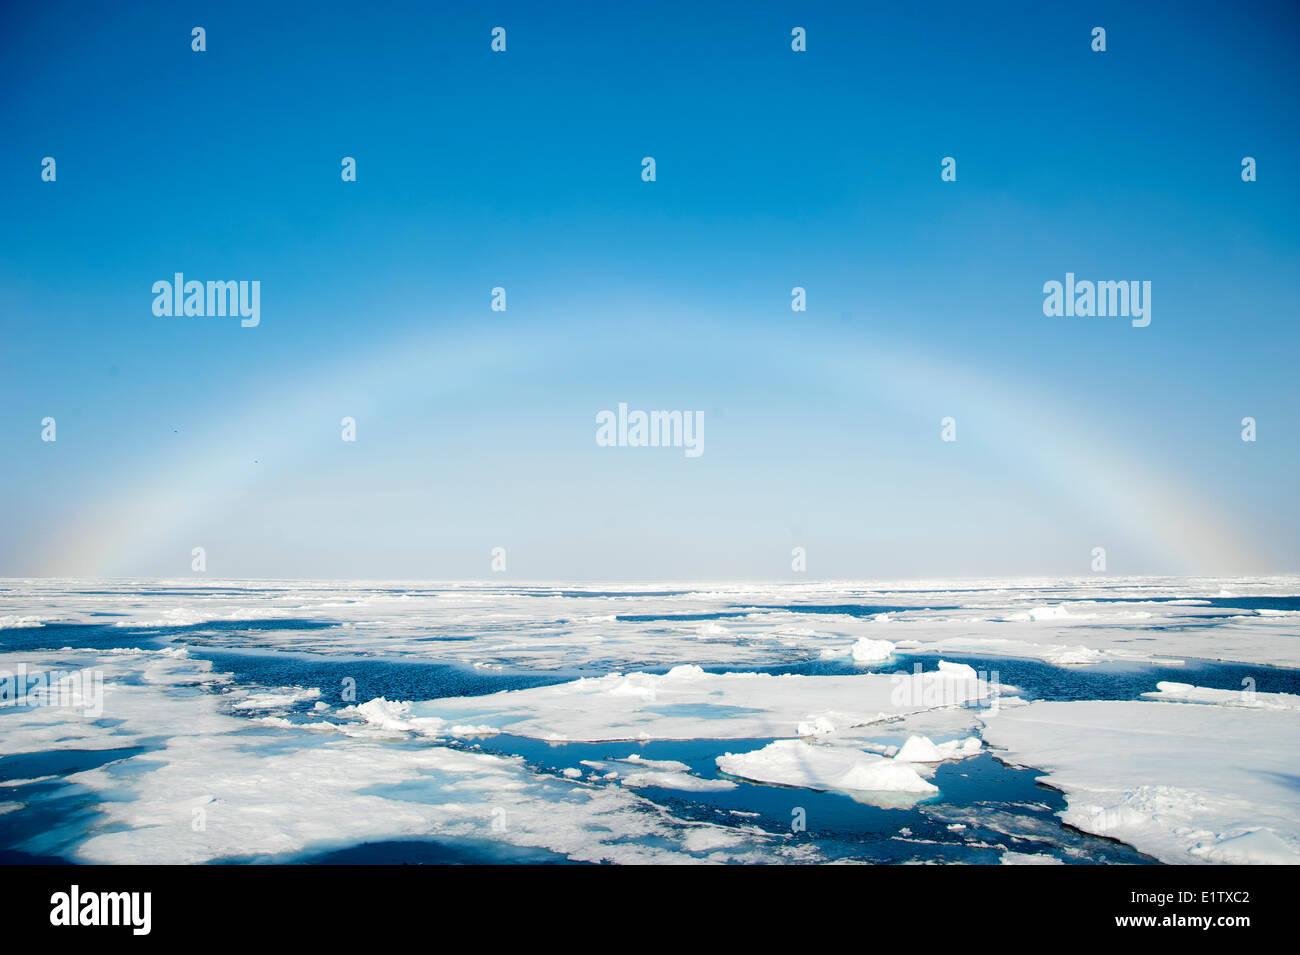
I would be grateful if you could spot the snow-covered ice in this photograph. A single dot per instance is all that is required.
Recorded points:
(866, 650)
(1184, 782)
(794, 762)
(276, 763)
(687, 703)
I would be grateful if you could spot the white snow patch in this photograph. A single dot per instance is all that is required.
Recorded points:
(1177, 781)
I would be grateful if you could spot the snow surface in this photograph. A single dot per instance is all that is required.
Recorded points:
(1184, 782)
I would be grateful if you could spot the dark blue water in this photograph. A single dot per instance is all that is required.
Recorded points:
(443, 851)
(1037, 680)
(1107, 681)
(655, 617)
(851, 610)
(392, 679)
(1235, 603)
(55, 812)
(1024, 819)
(95, 636)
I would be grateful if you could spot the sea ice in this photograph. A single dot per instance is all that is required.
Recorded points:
(522, 625)
(1188, 774)
(208, 785)
(1183, 782)
(867, 650)
(1247, 697)
(689, 703)
(920, 749)
(794, 762)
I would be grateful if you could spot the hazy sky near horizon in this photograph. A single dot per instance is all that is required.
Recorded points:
(476, 429)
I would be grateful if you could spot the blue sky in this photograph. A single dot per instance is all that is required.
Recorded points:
(774, 169)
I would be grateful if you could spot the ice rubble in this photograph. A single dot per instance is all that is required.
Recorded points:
(1209, 781)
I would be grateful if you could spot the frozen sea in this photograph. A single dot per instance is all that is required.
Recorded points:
(1040, 721)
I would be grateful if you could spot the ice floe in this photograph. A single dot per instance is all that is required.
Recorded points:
(636, 772)
(795, 762)
(690, 703)
(1029, 858)
(1247, 696)
(1183, 782)
(842, 765)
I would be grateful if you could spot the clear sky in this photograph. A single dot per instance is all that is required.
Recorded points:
(775, 169)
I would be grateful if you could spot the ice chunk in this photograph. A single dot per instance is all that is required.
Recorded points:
(793, 762)
(12, 622)
(820, 726)
(269, 700)
(1247, 697)
(663, 773)
(867, 650)
(688, 703)
(1029, 858)
(1072, 656)
(921, 749)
